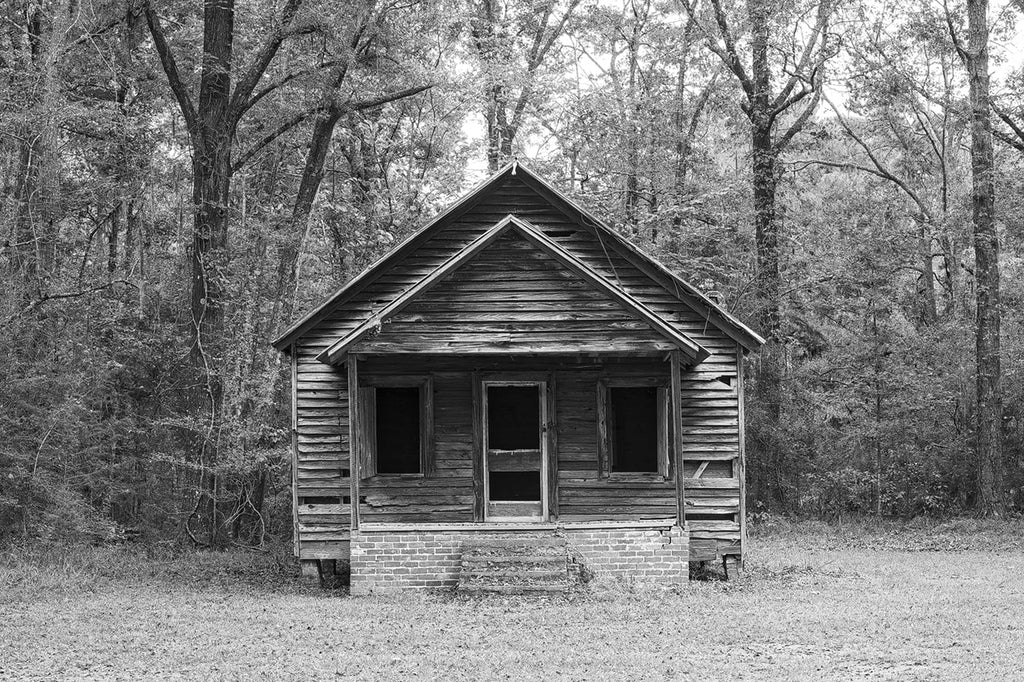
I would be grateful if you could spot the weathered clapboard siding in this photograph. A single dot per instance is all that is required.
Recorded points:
(321, 456)
(505, 279)
(486, 319)
(517, 198)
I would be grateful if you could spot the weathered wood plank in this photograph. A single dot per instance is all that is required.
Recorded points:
(478, 448)
(675, 363)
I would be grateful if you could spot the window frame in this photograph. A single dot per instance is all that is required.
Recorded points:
(368, 425)
(605, 447)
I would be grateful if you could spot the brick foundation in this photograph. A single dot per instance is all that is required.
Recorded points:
(388, 558)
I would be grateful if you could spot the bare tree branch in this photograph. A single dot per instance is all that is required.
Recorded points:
(881, 169)
(784, 140)
(730, 56)
(35, 303)
(284, 80)
(271, 44)
(824, 13)
(181, 94)
(952, 31)
(337, 108)
(277, 132)
(1008, 139)
(1017, 143)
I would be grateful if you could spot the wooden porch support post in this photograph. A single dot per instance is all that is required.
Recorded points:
(478, 449)
(677, 436)
(354, 439)
(741, 463)
(551, 433)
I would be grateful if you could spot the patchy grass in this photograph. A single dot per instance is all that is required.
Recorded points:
(817, 602)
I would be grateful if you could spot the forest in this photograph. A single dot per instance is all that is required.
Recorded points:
(180, 181)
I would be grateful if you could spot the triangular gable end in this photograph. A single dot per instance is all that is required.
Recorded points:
(660, 275)
(511, 224)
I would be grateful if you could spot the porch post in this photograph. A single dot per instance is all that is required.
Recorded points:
(677, 436)
(478, 449)
(551, 434)
(354, 438)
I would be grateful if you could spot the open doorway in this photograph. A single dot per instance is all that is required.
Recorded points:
(515, 481)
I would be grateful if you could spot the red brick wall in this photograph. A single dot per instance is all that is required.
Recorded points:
(386, 560)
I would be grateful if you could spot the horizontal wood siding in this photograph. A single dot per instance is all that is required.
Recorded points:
(321, 460)
(488, 305)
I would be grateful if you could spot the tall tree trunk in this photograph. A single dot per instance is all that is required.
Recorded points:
(764, 152)
(928, 312)
(986, 259)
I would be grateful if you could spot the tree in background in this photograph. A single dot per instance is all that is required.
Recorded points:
(214, 114)
(515, 41)
(777, 40)
(988, 360)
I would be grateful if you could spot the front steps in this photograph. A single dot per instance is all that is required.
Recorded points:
(523, 565)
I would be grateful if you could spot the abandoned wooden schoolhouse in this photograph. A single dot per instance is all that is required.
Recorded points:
(516, 392)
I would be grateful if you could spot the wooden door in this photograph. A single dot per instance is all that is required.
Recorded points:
(515, 453)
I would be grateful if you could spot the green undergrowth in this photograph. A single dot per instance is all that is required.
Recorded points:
(54, 569)
(922, 534)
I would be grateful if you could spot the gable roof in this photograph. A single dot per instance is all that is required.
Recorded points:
(684, 291)
(335, 353)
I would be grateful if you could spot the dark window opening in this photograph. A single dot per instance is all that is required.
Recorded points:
(515, 486)
(560, 234)
(513, 418)
(318, 500)
(710, 517)
(634, 428)
(398, 430)
(726, 379)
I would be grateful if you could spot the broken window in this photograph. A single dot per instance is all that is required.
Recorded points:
(513, 417)
(396, 428)
(633, 424)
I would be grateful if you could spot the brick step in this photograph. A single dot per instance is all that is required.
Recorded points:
(530, 574)
(514, 566)
(511, 558)
(513, 589)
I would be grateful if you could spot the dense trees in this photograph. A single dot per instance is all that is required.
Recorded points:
(178, 184)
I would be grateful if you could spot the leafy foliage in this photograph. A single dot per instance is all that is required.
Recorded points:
(103, 434)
